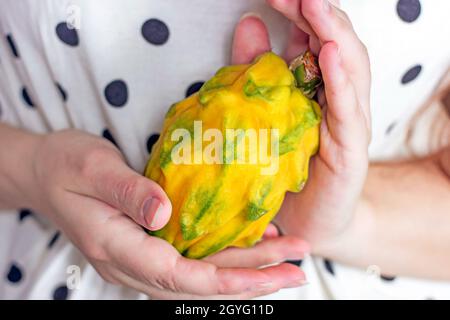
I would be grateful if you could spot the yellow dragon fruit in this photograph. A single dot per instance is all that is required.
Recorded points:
(225, 185)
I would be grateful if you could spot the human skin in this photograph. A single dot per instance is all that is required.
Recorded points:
(82, 184)
(65, 173)
(394, 215)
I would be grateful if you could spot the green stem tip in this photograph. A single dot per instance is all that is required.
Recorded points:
(307, 73)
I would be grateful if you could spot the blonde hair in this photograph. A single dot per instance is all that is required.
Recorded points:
(429, 130)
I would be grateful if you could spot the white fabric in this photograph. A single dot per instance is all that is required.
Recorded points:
(111, 47)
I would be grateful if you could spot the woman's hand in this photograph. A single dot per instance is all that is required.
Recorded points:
(324, 209)
(401, 217)
(82, 183)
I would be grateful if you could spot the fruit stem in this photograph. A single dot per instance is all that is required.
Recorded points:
(306, 73)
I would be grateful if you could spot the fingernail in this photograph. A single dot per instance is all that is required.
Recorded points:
(151, 211)
(250, 14)
(326, 5)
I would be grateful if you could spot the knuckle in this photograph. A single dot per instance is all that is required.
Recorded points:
(127, 191)
(223, 286)
(94, 247)
(344, 16)
(166, 278)
(165, 281)
(92, 160)
(343, 24)
(308, 10)
(93, 252)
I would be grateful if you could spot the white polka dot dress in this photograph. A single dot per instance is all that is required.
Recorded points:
(116, 73)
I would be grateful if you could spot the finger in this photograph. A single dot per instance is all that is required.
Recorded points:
(344, 115)
(229, 281)
(166, 295)
(328, 22)
(134, 252)
(156, 293)
(264, 253)
(271, 232)
(250, 39)
(321, 99)
(123, 231)
(314, 45)
(297, 43)
(284, 275)
(110, 180)
(156, 263)
(291, 10)
(332, 24)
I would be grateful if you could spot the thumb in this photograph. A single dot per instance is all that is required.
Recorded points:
(140, 198)
(251, 38)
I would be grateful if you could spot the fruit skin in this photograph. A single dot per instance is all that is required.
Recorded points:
(220, 205)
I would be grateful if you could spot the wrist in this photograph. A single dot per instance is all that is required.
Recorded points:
(351, 241)
(17, 166)
(28, 178)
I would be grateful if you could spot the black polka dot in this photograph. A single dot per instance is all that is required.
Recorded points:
(14, 274)
(329, 266)
(387, 278)
(24, 213)
(155, 31)
(61, 91)
(26, 98)
(193, 88)
(61, 293)
(408, 10)
(12, 45)
(116, 93)
(391, 127)
(67, 35)
(107, 135)
(53, 240)
(151, 141)
(411, 74)
(297, 263)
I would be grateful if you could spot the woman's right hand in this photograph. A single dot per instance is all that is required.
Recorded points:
(82, 183)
